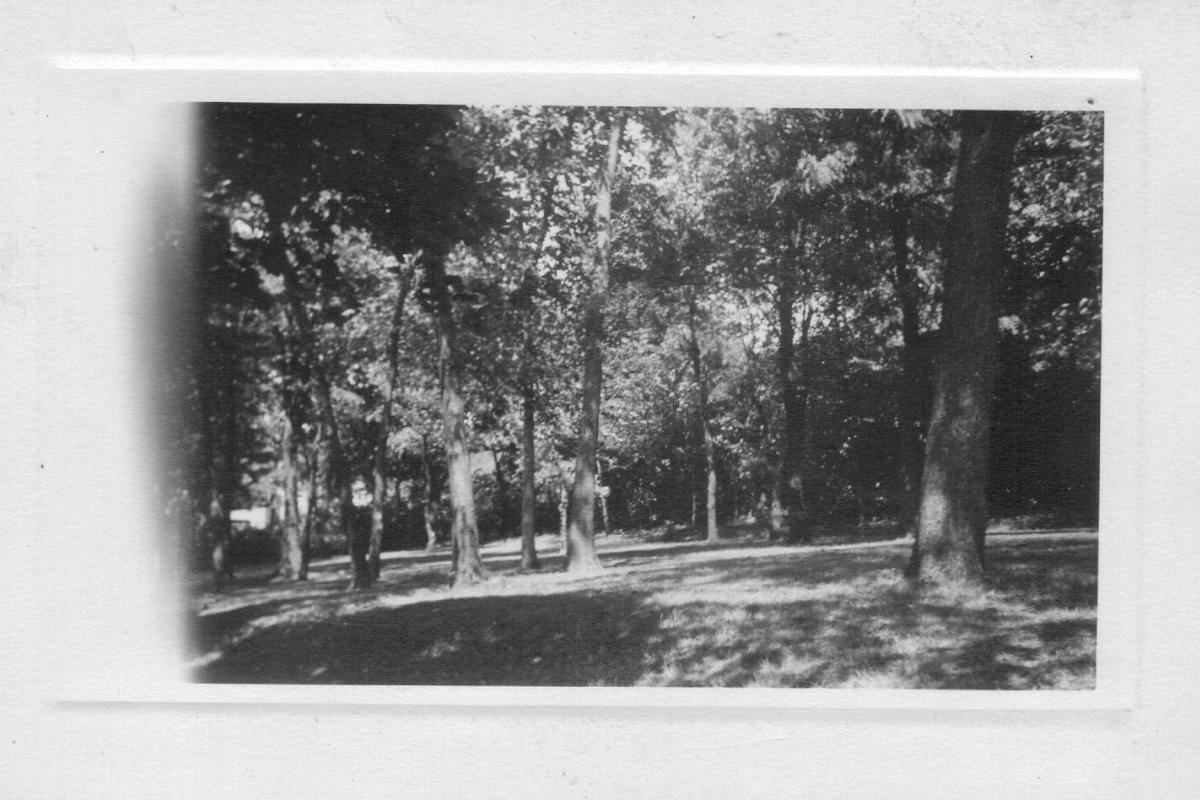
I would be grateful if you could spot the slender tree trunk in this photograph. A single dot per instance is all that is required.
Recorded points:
(953, 516)
(378, 498)
(308, 524)
(342, 503)
(213, 384)
(712, 533)
(502, 495)
(227, 473)
(429, 510)
(467, 565)
(695, 501)
(221, 533)
(529, 557)
(340, 492)
(292, 558)
(794, 401)
(913, 412)
(581, 528)
(602, 496)
(529, 355)
(777, 517)
(378, 467)
(564, 499)
(337, 469)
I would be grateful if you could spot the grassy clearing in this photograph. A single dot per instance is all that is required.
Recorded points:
(745, 613)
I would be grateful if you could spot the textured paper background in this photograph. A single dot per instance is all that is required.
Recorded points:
(88, 165)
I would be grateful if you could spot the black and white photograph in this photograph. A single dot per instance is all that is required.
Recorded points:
(589, 400)
(637, 396)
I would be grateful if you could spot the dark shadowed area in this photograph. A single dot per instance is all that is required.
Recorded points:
(744, 613)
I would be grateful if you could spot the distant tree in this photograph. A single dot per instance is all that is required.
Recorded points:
(313, 172)
(777, 200)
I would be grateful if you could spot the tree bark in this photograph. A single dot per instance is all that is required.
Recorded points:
(429, 510)
(953, 514)
(228, 473)
(378, 467)
(503, 517)
(795, 401)
(912, 403)
(337, 469)
(529, 557)
(293, 558)
(214, 386)
(564, 501)
(602, 496)
(581, 528)
(467, 565)
(712, 534)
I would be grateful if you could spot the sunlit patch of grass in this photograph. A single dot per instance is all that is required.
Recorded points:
(674, 615)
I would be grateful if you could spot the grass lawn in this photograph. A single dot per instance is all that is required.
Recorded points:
(743, 613)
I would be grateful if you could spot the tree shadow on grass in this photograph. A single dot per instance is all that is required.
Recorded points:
(794, 617)
(578, 638)
(849, 619)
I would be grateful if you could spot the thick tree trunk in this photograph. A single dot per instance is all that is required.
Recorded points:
(581, 528)
(953, 515)
(467, 565)
(712, 533)
(529, 557)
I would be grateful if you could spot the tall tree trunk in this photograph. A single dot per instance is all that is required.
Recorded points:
(312, 463)
(911, 398)
(378, 498)
(710, 463)
(342, 504)
(581, 528)
(602, 496)
(502, 495)
(429, 511)
(529, 557)
(213, 382)
(284, 263)
(953, 515)
(564, 500)
(378, 467)
(292, 557)
(776, 516)
(795, 412)
(467, 565)
(228, 472)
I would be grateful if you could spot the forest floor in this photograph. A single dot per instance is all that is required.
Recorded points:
(744, 612)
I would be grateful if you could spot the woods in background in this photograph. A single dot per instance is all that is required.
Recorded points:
(414, 324)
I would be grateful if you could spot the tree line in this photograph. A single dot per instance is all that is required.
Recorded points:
(415, 323)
